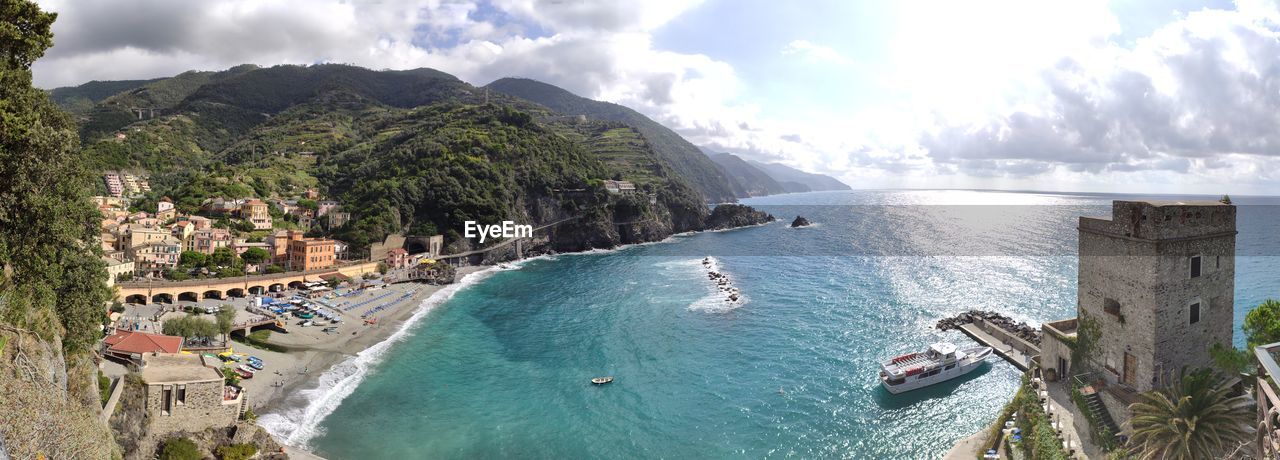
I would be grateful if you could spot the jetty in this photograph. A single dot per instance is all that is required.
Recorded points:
(1016, 342)
(1018, 354)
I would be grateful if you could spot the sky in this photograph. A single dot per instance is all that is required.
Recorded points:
(1083, 95)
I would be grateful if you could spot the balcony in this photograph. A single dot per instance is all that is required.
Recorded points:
(1268, 434)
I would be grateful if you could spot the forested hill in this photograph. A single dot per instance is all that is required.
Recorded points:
(683, 156)
(416, 151)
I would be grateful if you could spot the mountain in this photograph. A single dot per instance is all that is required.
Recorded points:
(747, 180)
(415, 151)
(79, 99)
(795, 180)
(683, 157)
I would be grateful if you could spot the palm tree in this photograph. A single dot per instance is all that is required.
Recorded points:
(1193, 418)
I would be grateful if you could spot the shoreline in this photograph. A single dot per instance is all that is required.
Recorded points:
(306, 394)
(306, 368)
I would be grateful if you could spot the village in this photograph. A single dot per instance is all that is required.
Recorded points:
(218, 313)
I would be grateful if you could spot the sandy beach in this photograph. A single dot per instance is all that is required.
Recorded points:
(311, 351)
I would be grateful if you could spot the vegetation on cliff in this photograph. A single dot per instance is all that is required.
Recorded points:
(736, 215)
(52, 296)
(683, 157)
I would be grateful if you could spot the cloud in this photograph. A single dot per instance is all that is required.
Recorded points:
(1204, 86)
(1011, 89)
(814, 52)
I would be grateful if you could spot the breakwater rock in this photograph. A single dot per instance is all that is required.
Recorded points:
(1018, 328)
(800, 222)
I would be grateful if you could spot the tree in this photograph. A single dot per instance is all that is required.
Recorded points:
(193, 259)
(225, 318)
(1262, 324)
(1195, 417)
(255, 256)
(307, 203)
(382, 268)
(50, 272)
(180, 449)
(190, 327)
(273, 269)
(225, 257)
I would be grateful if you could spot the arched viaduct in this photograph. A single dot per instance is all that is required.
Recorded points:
(144, 292)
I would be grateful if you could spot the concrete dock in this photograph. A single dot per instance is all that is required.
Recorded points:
(1014, 353)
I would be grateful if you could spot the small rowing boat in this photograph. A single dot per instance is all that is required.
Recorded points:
(602, 380)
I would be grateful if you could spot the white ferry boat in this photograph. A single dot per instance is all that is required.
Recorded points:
(940, 363)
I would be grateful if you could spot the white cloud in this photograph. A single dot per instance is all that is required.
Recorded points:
(1004, 92)
(814, 52)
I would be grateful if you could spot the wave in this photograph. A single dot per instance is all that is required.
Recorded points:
(299, 425)
(716, 301)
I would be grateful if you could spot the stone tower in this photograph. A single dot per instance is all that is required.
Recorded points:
(1159, 279)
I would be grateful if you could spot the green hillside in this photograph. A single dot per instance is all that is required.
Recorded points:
(683, 157)
(414, 151)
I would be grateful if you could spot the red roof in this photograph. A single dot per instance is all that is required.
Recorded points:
(397, 252)
(141, 342)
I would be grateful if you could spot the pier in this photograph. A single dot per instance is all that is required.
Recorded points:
(1012, 348)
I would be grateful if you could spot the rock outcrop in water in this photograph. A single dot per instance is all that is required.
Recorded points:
(1018, 328)
(800, 222)
(727, 216)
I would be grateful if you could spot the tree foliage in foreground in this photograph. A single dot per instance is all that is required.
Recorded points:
(52, 276)
(51, 273)
(1195, 417)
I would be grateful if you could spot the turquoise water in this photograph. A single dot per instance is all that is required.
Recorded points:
(501, 369)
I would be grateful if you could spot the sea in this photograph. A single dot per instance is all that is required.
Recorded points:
(499, 365)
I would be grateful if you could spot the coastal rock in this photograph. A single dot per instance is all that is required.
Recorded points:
(728, 216)
(1018, 328)
(800, 222)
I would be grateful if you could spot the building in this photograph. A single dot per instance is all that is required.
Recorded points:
(258, 213)
(220, 206)
(240, 246)
(115, 186)
(187, 393)
(1158, 281)
(134, 185)
(325, 206)
(340, 250)
(310, 253)
(110, 202)
(338, 218)
(130, 346)
(138, 235)
(156, 256)
(207, 241)
(278, 246)
(201, 223)
(619, 187)
(183, 230)
(397, 258)
(117, 268)
(165, 211)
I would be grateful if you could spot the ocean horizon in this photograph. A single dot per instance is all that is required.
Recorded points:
(498, 364)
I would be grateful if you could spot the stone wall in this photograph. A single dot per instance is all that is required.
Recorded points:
(1052, 348)
(203, 408)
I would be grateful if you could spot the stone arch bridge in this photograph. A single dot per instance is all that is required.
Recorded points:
(144, 292)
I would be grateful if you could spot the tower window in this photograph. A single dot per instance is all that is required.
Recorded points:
(1111, 306)
(1195, 266)
(1195, 312)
